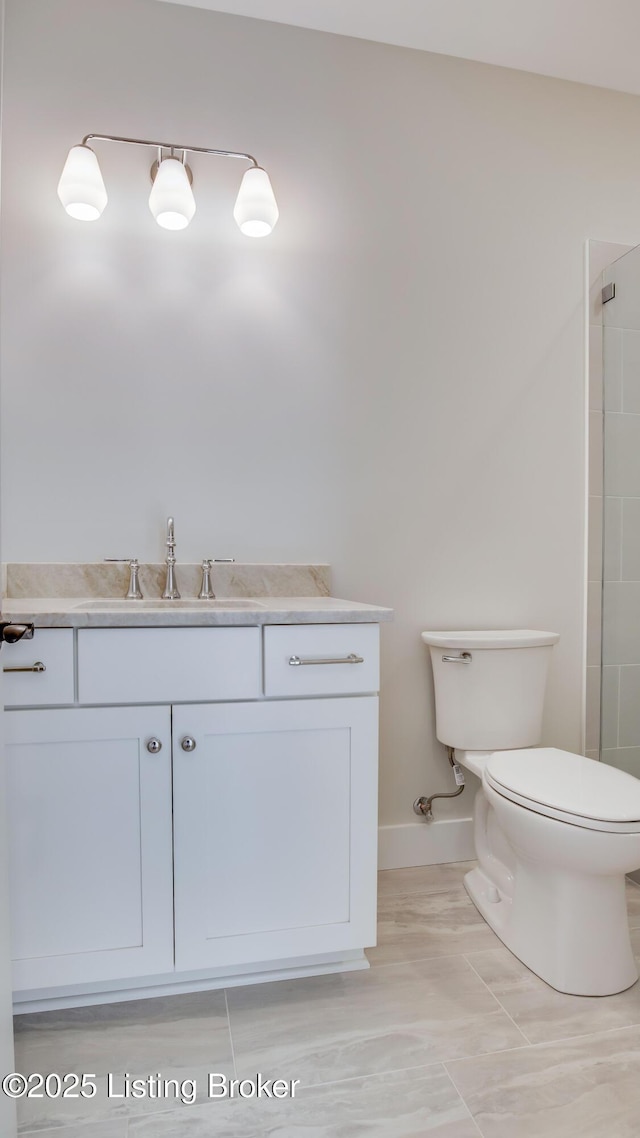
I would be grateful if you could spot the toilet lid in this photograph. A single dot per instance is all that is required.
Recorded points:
(566, 786)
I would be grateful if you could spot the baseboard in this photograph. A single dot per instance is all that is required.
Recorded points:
(425, 843)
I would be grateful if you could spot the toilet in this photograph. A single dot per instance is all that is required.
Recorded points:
(555, 833)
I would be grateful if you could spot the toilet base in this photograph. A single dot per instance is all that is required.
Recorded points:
(588, 955)
(487, 898)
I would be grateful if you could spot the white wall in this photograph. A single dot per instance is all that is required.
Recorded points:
(393, 382)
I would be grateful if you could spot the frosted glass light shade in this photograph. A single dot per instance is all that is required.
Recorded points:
(81, 188)
(256, 209)
(171, 200)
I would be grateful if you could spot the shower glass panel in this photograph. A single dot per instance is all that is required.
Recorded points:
(620, 695)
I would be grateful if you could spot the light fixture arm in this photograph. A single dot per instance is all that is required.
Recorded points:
(171, 146)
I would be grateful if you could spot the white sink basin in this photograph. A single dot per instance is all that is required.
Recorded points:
(159, 605)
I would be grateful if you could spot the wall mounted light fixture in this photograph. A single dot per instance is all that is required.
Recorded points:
(82, 191)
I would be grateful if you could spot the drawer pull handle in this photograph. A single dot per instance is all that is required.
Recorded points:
(297, 662)
(37, 667)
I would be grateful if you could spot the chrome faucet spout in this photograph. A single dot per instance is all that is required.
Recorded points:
(171, 592)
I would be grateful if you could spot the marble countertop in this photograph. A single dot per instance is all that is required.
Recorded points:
(83, 612)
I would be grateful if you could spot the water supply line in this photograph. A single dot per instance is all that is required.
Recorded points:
(422, 805)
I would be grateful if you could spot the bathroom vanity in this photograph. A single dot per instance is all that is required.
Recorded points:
(192, 793)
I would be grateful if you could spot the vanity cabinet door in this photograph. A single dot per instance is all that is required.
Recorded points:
(275, 830)
(90, 844)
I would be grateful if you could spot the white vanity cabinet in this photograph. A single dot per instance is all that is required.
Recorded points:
(275, 830)
(90, 855)
(220, 821)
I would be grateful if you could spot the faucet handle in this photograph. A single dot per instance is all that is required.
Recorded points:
(206, 591)
(134, 592)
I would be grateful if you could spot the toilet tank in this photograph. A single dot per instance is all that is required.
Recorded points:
(489, 687)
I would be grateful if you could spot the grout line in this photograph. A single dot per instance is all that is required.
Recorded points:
(421, 959)
(393, 896)
(434, 1063)
(499, 1001)
(462, 1099)
(547, 1042)
(233, 1051)
(372, 1075)
(419, 1067)
(583, 1035)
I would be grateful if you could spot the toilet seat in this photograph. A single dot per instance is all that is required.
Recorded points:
(571, 788)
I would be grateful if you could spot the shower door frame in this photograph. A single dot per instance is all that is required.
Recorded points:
(599, 257)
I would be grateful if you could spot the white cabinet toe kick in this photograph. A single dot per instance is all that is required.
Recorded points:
(190, 808)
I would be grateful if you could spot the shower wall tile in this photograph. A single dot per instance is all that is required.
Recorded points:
(610, 705)
(621, 623)
(629, 723)
(612, 539)
(626, 758)
(612, 354)
(594, 623)
(595, 454)
(594, 555)
(622, 450)
(631, 372)
(630, 539)
(592, 728)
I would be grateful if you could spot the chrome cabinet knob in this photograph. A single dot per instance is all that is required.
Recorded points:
(188, 744)
(153, 746)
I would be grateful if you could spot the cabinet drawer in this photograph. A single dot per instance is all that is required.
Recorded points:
(297, 659)
(52, 647)
(168, 665)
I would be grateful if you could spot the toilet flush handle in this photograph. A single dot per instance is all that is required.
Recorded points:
(463, 658)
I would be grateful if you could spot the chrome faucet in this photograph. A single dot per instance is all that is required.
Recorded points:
(171, 592)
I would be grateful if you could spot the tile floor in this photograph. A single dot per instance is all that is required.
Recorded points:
(447, 1036)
